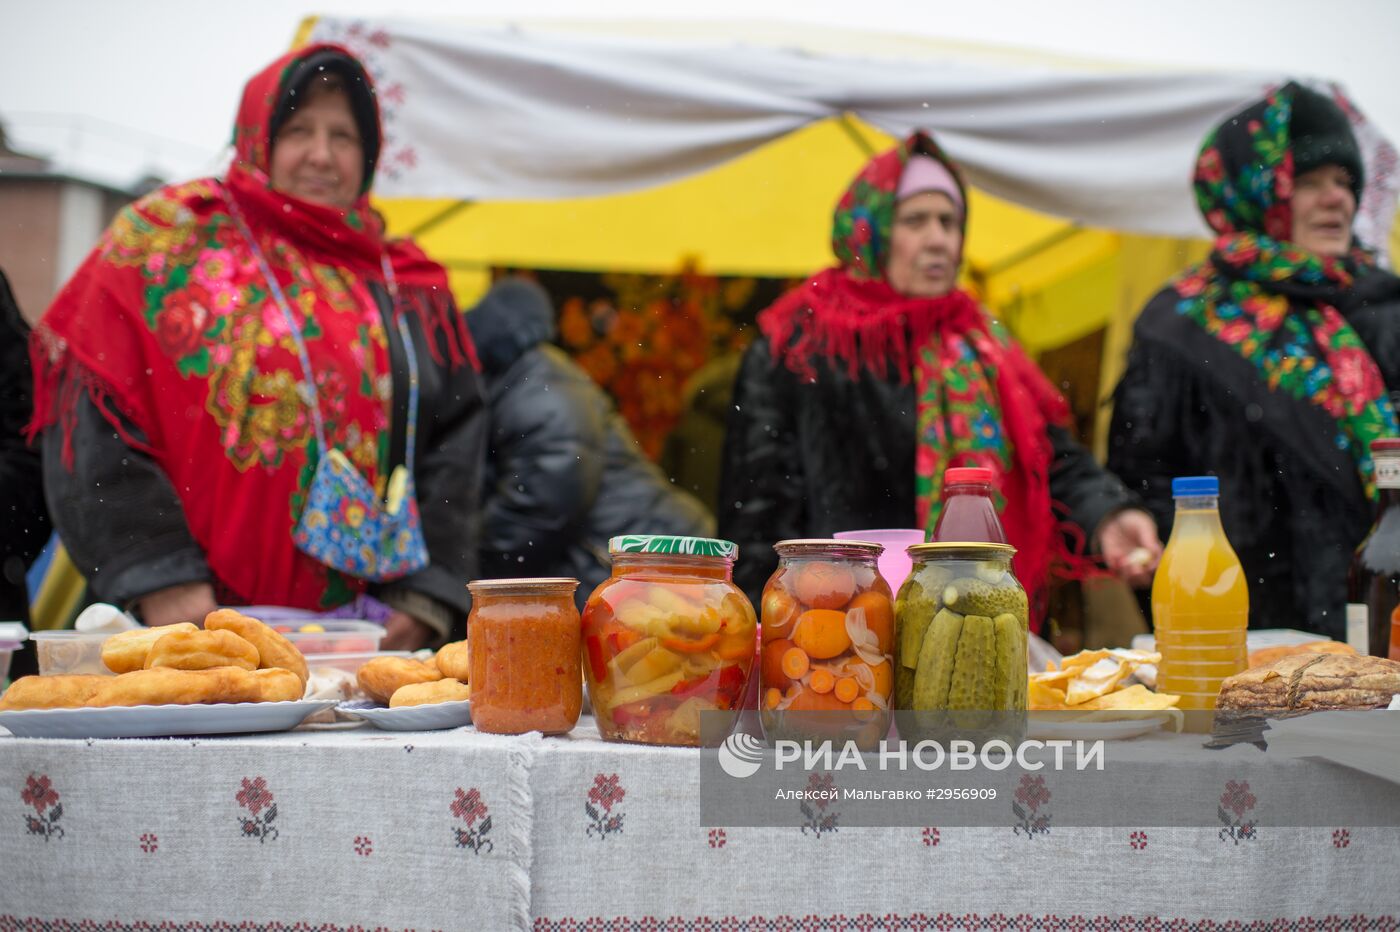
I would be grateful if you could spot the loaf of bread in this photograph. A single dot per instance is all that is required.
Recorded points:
(1311, 683)
(1267, 655)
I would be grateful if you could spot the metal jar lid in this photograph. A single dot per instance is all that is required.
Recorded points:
(677, 546)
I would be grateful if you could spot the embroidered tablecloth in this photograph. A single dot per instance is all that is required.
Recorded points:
(459, 830)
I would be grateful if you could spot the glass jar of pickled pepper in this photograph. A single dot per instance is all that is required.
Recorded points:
(667, 637)
(828, 641)
(524, 637)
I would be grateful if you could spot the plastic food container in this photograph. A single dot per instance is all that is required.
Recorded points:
(961, 633)
(350, 662)
(667, 637)
(332, 676)
(524, 660)
(332, 636)
(70, 651)
(828, 642)
(12, 635)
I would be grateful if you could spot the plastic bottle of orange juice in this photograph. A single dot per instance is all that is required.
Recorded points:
(1200, 599)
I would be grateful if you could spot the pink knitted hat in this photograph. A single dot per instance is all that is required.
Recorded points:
(921, 174)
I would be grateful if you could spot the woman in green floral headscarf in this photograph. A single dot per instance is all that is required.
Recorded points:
(874, 377)
(1268, 364)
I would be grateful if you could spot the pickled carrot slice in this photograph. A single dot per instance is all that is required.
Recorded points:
(847, 689)
(796, 663)
(822, 681)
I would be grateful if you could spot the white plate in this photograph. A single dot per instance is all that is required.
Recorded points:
(1041, 729)
(160, 721)
(413, 717)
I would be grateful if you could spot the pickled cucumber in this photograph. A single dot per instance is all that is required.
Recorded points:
(903, 687)
(930, 578)
(1010, 674)
(933, 676)
(913, 612)
(971, 683)
(972, 596)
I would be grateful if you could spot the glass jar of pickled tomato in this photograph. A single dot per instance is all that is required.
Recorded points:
(667, 637)
(828, 642)
(523, 663)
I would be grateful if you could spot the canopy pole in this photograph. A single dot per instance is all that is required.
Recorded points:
(847, 122)
(439, 218)
(1040, 245)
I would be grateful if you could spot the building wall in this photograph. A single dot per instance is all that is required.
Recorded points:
(47, 228)
(29, 235)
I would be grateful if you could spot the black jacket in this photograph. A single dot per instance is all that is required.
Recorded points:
(807, 460)
(1291, 503)
(24, 522)
(564, 474)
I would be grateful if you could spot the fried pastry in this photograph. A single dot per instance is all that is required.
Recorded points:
(169, 686)
(451, 660)
(201, 650)
(445, 690)
(63, 691)
(278, 685)
(273, 649)
(122, 653)
(381, 677)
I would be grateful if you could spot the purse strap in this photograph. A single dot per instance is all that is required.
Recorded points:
(309, 394)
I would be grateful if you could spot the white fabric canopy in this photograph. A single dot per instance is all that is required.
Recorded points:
(501, 113)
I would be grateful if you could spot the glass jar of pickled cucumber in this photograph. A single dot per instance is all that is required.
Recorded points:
(828, 642)
(961, 640)
(667, 637)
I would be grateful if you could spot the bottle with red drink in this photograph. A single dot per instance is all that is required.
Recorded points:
(968, 512)
(1373, 584)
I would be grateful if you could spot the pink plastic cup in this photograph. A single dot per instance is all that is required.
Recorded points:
(894, 562)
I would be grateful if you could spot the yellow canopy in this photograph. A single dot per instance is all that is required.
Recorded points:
(768, 213)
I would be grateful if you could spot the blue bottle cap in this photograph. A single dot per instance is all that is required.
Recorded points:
(1186, 486)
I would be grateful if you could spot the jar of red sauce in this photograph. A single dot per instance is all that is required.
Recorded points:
(524, 638)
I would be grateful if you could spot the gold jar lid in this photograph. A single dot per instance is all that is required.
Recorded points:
(834, 545)
(959, 546)
(538, 582)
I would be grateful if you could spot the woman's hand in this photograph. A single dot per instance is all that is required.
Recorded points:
(1130, 546)
(186, 602)
(404, 632)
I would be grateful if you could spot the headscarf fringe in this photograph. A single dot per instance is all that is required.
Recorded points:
(852, 332)
(444, 325)
(60, 381)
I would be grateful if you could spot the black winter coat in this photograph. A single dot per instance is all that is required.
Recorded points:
(564, 473)
(24, 521)
(1291, 503)
(807, 460)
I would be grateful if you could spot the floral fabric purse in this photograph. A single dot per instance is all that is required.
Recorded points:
(344, 524)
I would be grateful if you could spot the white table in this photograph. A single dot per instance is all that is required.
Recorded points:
(588, 835)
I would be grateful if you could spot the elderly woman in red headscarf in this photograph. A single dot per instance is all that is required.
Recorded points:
(249, 395)
(872, 378)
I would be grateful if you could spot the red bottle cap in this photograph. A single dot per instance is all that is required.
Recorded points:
(1385, 445)
(960, 474)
